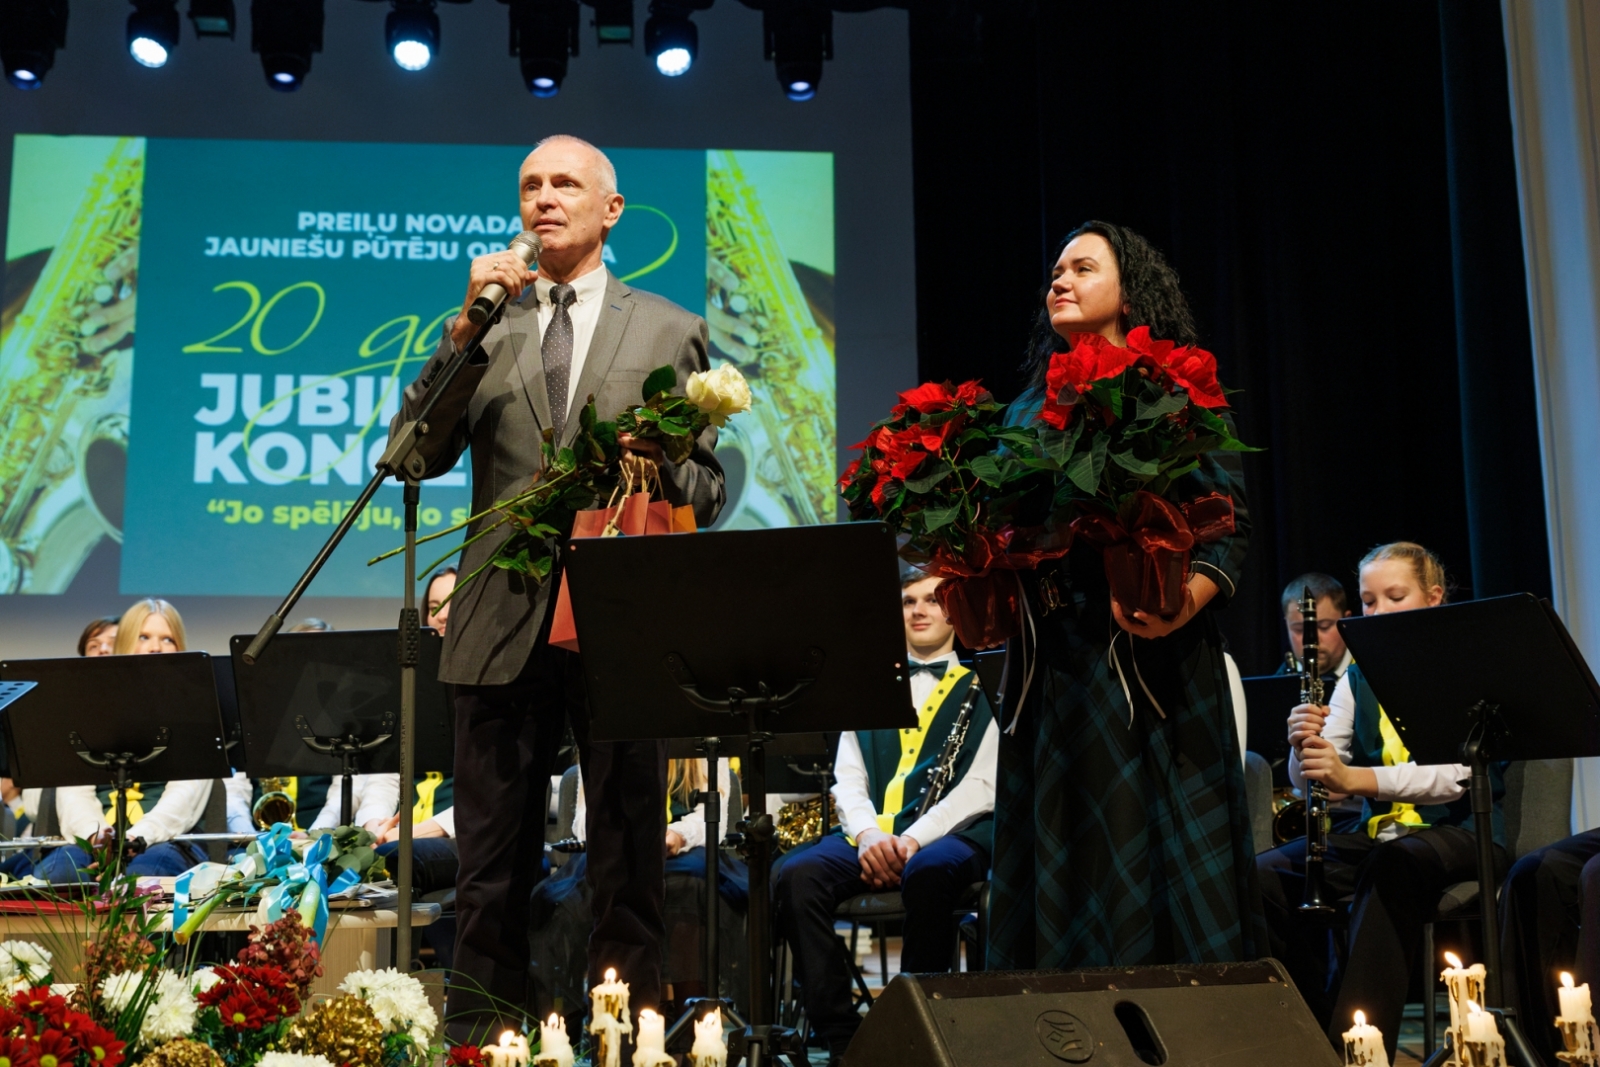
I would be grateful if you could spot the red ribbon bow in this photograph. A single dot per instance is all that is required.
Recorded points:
(1146, 545)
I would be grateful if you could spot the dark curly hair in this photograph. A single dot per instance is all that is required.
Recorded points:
(1149, 288)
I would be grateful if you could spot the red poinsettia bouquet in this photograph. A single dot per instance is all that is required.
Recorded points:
(1121, 425)
(38, 1027)
(970, 496)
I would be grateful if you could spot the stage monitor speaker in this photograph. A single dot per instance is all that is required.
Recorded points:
(1234, 1015)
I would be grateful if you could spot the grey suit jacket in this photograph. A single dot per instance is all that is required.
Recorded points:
(498, 407)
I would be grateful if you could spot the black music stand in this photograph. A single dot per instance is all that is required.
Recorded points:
(803, 634)
(89, 721)
(1478, 683)
(329, 703)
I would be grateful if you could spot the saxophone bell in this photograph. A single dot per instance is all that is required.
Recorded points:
(274, 805)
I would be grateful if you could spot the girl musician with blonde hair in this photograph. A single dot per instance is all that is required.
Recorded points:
(157, 811)
(1415, 838)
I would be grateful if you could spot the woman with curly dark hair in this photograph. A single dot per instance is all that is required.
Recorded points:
(1122, 836)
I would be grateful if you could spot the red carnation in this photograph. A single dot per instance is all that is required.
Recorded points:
(102, 1046)
(54, 1049)
(241, 1011)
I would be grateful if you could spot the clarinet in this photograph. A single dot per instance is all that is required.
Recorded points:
(1317, 818)
(945, 771)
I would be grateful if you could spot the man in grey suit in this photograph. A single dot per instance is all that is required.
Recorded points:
(574, 331)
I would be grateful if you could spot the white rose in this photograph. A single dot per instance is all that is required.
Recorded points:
(719, 393)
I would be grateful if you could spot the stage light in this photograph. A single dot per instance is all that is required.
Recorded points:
(286, 33)
(212, 18)
(153, 31)
(613, 21)
(412, 33)
(671, 38)
(543, 34)
(30, 33)
(799, 39)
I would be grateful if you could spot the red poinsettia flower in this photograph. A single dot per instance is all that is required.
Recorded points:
(18, 1052)
(849, 474)
(926, 399)
(971, 393)
(1190, 368)
(1091, 358)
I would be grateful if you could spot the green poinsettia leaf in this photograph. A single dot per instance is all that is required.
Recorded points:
(661, 380)
(1159, 408)
(1058, 444)
(1040, 463)
(1130, 462)
(930, 476)
(1086, 467)
(938, 518)
(986, 469)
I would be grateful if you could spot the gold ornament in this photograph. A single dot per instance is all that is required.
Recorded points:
(184, 1053)
(343, 1030)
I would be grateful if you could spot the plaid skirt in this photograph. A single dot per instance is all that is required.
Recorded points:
(1122, 836)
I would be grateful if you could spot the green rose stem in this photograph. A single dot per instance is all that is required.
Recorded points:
(516, 501)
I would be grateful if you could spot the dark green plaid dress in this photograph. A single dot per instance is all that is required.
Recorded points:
(1122, 836)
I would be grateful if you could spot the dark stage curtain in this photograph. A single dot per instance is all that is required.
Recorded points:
(1301, 167)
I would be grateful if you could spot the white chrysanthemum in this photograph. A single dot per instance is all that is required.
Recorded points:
(204, 979)
(398, 1000)
(23, 961)
(292, 1059)
(169, 1012)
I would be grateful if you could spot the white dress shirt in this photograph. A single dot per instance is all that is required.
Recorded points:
(180, 809)
(374, 796)
(692, 827)
(590, 293)
(1406, 783)
(969, 798)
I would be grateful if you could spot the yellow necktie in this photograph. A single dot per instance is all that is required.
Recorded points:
(1394, 754)
(423, 811)
(135, 811)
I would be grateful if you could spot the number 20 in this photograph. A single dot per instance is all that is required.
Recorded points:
(259, 312)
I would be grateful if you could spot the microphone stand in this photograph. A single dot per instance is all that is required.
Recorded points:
(400, 460)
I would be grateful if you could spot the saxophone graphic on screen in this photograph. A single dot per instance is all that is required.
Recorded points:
(759, 317)
(64, 374)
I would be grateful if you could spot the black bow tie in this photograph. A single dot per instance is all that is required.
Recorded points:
(936, 668)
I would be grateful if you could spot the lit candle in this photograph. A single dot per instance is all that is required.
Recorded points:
(1576, 1023)
(609, 1019)
(1483, 1045)
(1465, 985)
(709, 1049)
(1363, 1045)
(650, 1047)
(512, 1051)
(555, 1050)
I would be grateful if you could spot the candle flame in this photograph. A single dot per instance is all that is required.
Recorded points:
(611, 974)
(1453, 960)
(505, 1038)
(554, 1019)
(1473, 1009)
(646, 1013)
(1566, 979)
(1361, 1018)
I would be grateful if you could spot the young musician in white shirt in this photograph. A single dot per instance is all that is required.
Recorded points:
(931, 858)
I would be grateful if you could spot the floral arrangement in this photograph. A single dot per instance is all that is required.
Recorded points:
(971, 496)
(590, 469)
(1121, 425)
(38, 1026)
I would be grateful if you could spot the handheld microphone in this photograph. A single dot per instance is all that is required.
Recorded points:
(527, 246)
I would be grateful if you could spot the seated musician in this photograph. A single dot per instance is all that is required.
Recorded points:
(157, 811)
(932, 858)
(1333, 657)
(1415, 840)
(563, 914)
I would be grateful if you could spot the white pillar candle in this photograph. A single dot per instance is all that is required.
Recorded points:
(1363, 1045)
(611, 997)
(1465, 985)
(608, 1039)
(709, 1049)
(650, 1046)
(555, 1049)
(512, 1051)
(1483, 1046)
(1577, 1025)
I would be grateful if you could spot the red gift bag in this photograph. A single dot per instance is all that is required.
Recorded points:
(630, 513)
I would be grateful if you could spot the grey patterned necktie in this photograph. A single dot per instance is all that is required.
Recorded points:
(557, 352)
